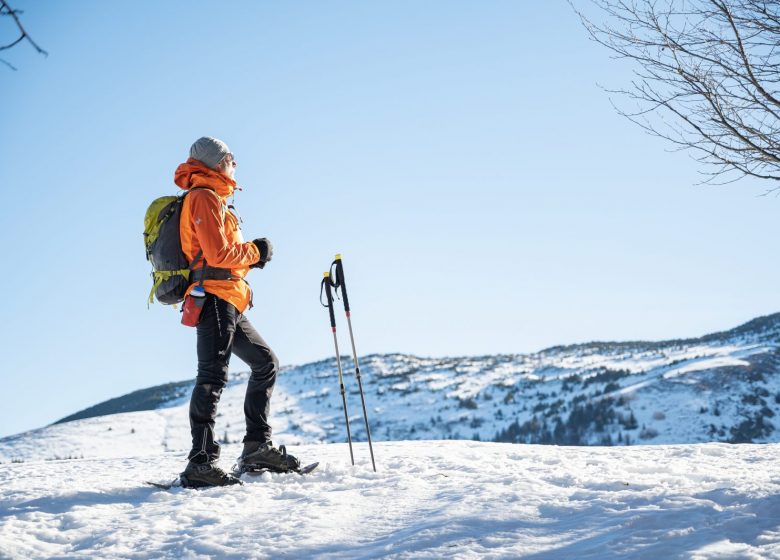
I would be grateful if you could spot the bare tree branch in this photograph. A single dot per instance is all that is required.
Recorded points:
(11, 66)
(6, 10)
(711, 66)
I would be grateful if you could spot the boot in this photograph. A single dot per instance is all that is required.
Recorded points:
(257, 456)
(202, 475)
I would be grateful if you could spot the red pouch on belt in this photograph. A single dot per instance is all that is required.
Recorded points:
(193, 305)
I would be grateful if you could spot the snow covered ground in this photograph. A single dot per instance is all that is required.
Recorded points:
(76, 489)
(430, 499)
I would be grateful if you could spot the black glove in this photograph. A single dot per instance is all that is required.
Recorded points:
(266, 251)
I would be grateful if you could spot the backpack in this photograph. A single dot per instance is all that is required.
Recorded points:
(170, 268)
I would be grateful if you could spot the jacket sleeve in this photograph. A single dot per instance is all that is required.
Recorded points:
(209, 225)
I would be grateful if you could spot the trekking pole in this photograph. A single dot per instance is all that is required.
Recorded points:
(326, 285)
(341, 283)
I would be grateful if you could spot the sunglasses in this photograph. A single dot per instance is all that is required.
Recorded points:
(230, 159)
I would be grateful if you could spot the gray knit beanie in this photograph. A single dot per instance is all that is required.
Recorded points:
(209, 151)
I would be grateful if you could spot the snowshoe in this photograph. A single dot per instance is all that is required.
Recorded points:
(204, 475)
(265, 458)
(166, 485)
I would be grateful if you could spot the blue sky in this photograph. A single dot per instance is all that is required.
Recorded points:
(461, 155)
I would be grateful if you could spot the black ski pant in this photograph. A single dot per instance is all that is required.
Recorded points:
(223, 331)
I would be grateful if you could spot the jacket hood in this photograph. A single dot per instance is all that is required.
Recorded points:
(193, 173)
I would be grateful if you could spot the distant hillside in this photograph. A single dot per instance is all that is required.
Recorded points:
(766, 325)
(721, 387)
(144, 399)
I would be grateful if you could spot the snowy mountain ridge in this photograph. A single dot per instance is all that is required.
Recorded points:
(722, 387)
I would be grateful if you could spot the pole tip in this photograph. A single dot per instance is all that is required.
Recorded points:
(326, 274)
(338, 256)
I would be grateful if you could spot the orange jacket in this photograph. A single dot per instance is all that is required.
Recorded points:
(207, 224)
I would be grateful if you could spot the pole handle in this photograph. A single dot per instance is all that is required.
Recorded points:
(329, 295)
(340, 281)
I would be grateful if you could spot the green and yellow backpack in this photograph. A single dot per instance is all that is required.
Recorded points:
(170, 268)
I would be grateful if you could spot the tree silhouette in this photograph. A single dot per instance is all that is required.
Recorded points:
(7, 11)
(706, 75)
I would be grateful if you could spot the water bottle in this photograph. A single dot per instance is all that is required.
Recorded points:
(193, 305)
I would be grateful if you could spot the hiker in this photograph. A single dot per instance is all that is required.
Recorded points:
(209, 225)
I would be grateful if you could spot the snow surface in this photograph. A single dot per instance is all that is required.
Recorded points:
(429, 499)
